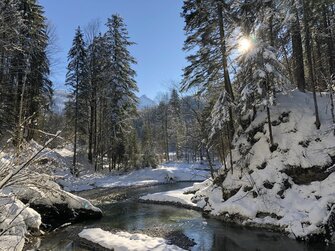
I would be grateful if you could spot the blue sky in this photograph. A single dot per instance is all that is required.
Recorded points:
(155, 25)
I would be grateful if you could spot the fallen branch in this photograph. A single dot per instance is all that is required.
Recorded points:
(11, 174)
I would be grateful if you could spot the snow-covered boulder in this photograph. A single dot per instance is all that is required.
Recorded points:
(290, 187)
(55, 205)
(35, 185)
(16, 222)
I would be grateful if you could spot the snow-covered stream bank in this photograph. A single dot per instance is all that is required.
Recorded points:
(34, 199)
(164, 173)
(178, 226)
(288, 188)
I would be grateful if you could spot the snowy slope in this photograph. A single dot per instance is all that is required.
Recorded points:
(291, 189)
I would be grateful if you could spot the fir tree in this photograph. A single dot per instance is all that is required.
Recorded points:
(10, 22)
(75, 78)
(175, 123)
(25, 88)
(121, 87)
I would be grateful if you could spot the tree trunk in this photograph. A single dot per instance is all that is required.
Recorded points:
(20, 124)
(332, 105)
(230, 147)
(210, 163)
(298, 52)
(74, 163)
(95, 133)
(166, 136)
(269, 125)
(223, 49)
(318, 62)
(308, 39)
(223, 151)
(90, 131)
(272, 43)
(329, 39)
(221, 147)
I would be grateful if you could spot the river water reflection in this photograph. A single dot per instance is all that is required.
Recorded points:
(130, 215)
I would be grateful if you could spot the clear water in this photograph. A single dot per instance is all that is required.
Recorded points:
(130, 215)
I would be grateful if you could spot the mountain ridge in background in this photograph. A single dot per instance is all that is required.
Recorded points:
(145, 102)
(60, 97)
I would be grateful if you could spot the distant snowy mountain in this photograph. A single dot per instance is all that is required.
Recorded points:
(60, 97)
(145, 102)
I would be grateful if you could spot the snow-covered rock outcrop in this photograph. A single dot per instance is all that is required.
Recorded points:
(292, 187)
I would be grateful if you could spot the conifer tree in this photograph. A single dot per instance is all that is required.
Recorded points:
(121, 87)
(29, 71)
(75, 78)
(260, 74)
(208, 26)
(175, 123)
(10, 23)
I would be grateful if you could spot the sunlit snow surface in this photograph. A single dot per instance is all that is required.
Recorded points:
(123, 241)
(170, 172)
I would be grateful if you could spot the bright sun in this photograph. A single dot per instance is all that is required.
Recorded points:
(244, 45)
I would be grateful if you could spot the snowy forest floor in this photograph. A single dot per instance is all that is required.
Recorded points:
(166, 172)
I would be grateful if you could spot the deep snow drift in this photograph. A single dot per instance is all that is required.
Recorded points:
(291, 189)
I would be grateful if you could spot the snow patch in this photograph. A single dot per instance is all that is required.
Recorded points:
(123, 241)
(175, 196)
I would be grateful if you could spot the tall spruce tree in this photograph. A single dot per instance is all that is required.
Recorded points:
(76, 79)
(121, 88)
(97, 60)
(10, 23)
(261, 74)
(175, 122)
(25, 87)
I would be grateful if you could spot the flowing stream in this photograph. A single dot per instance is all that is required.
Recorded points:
(122, 212)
